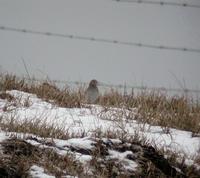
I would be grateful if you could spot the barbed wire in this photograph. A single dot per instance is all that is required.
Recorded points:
(102, 40)
(119, 86)
(161, 3)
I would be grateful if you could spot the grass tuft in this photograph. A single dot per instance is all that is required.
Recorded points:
(154, 108)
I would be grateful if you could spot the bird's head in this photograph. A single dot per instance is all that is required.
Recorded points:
(93, 83)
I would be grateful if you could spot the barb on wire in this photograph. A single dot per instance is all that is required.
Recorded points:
(102, 40)
(161, 3)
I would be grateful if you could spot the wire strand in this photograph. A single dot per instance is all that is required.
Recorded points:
(102, 40)
(119, 86)
(161, 3)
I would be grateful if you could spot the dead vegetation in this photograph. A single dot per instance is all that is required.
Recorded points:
(153, 107)
(158, 109)
(45, 90)
(6, 96)
(18, 157)
(35, 126)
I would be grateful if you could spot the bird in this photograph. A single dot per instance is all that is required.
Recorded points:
(92, 92)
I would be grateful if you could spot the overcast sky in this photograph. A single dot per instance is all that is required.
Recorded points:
(76, 60)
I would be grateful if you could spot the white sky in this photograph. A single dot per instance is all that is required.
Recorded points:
(66, 59)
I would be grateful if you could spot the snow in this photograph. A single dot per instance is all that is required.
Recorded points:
(122, 157)
(38, 172)
(177, 140)
(84, 143)
(94, 118)
(3, 136)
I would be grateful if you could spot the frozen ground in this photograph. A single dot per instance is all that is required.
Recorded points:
(88, 120)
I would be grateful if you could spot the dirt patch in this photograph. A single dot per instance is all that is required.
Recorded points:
(6, 96)
(18, 157)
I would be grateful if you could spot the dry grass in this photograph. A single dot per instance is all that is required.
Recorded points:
(19, 156)
(45, 90)
(35, 126)
(153, 107)
(158, 109)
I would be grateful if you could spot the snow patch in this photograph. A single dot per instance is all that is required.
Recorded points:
(94, 117)
(122, 157)
(38, 172)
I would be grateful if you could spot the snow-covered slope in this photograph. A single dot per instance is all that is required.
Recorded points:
(88, 120)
